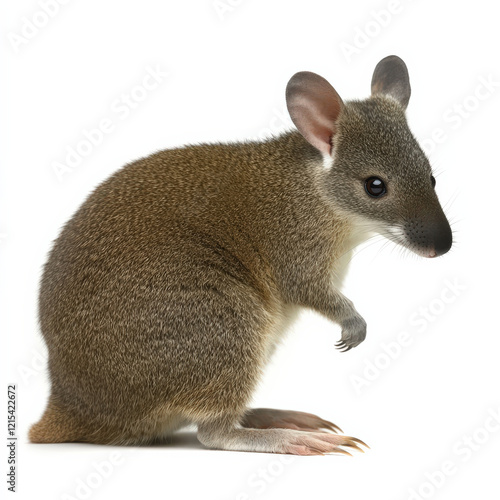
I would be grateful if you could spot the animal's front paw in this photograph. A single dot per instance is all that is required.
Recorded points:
(353, 333)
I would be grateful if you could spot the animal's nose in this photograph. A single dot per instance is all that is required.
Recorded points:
(430, 235)
(442, 239)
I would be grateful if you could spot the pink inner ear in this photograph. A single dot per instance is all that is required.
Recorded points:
(314, 107)
(320, 136)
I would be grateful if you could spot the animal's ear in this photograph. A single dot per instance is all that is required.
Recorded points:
(314, 107)
(391, 78)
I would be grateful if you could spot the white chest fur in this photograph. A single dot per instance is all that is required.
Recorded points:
(358, 233)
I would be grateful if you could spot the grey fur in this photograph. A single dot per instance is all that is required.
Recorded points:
(167, 292)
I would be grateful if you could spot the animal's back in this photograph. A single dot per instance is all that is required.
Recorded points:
(137, 276)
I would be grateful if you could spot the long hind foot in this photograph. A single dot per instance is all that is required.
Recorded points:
(267, 418)
(294, 442)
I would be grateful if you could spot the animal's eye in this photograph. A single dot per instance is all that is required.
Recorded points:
(375, 187)
(433, 181)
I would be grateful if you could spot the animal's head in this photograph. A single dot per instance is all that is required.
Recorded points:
(378, 172)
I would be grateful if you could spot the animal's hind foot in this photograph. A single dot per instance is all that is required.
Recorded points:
(267, 418)
(289, 441)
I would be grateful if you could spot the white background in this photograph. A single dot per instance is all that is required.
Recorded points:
(227, 71)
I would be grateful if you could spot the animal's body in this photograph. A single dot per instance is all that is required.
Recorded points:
(167, 292)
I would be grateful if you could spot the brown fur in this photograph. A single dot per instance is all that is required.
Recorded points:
(167, 291)
(162, 292)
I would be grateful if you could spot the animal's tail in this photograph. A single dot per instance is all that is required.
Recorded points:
(55, 426)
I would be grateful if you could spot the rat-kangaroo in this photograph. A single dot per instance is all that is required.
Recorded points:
(167, 292)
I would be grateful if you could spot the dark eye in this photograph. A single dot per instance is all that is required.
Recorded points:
(375, 187)
(433, 181)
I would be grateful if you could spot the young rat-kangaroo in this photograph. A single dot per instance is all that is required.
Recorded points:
(166, 293)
